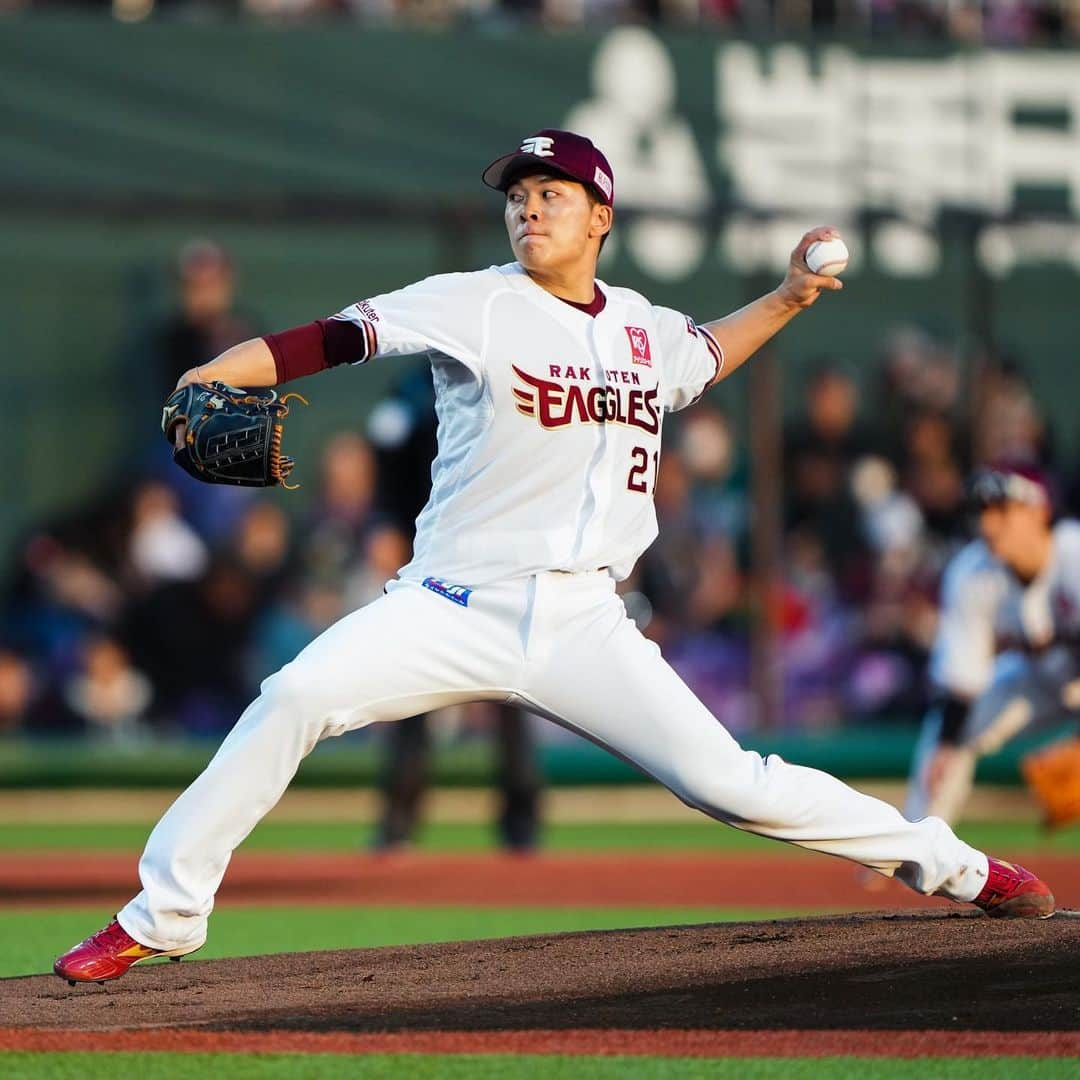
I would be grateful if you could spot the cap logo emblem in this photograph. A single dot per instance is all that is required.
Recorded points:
(540, 145)
(602, 181)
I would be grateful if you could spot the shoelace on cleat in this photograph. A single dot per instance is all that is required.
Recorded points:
(112, 934)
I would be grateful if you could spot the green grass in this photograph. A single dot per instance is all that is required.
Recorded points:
(706, 836)
(81, 1066)
(30, 940)
(345, 836)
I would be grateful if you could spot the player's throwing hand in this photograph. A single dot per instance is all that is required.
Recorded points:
(801, 287)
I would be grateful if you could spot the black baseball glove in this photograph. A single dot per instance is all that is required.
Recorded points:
(233, 436)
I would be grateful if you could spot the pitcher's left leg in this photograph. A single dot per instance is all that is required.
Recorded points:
(604, 679)
(942, 795)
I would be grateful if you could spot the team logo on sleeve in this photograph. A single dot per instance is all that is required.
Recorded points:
(367, 310)
(640, 353)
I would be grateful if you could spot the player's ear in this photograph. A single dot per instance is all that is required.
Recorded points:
(603, 218)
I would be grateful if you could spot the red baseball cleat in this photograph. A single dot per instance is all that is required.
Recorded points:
(1013, 892)
(107, 955)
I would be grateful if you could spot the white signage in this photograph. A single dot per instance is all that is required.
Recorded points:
(814, 137)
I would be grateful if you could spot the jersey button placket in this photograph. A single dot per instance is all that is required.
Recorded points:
(601, 475)
(587, 506)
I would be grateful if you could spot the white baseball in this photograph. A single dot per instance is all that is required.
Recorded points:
(827, 257)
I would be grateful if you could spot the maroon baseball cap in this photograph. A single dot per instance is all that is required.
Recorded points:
(1010, 481)
(561, 153)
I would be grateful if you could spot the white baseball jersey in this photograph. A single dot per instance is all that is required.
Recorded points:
(549, 420)
(986, 610)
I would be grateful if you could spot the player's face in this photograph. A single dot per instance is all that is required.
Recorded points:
(552, 223)
(206, 292)
(1011, 529)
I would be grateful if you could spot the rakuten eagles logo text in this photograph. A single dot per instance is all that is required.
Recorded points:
(554, 405)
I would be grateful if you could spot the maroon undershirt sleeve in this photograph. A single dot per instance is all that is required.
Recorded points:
(316, 346)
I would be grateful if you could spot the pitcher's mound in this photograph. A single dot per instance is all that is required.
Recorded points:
(947, 971)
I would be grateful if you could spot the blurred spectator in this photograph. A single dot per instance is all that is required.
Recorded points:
(898, 615)
(891, 520)
(1010, 426)
(204, 322)
(820, 450)
(402, 429)
(991, 22)
(343, 512)
(263, 546)
(290, 612)
(386, 551)
(303, 613)
(67, 580)
(107, 695)
(668, 571)
(164, 547)
(924, 434)
(934, 475)
(192, 639)
(710, 450)
(16, 692)
(1070, 498)
(918, 377)
(689, 575)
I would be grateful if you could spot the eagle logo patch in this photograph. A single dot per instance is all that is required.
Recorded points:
(640, 353)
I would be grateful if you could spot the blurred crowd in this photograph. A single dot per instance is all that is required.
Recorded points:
(159, 606)
(995, 22)
(872, 511)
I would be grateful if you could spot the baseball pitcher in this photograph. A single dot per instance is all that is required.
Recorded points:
(552, 388)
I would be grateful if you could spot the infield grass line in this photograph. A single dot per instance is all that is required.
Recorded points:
(163, 1066)
(703, 836)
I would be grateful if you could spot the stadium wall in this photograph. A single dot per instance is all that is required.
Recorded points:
(336, 161)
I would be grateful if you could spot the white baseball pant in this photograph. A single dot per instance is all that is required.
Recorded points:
(560, 645)
(1027, 693)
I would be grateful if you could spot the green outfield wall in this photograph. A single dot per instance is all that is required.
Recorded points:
(337, 161)
(877, 753)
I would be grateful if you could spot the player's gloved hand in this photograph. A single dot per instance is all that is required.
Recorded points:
(223, 435)
(801, 287)
(1052, 774)
(179, 427)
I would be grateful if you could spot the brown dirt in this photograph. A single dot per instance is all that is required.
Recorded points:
(795, 880)
(935, 982)
(893, 972)
(597, 1041)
